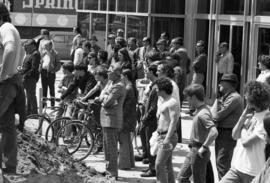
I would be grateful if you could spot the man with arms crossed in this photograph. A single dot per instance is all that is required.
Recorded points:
(203, 133)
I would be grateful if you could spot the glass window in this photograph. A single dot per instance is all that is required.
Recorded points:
(91, 4)
(174, 26)
(83, 23)
(103, 5)
(112, 5)
(232, 7)
(99, 28)
(116, 22)
(59, 39)
(203, 6)
(137, 27)
(202, 31)
(263, 43)
(127, 5)
(263, 7)
(143, 6)
(168, 6)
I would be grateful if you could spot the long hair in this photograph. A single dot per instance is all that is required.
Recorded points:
(128, 74)
(124, 52)
(4, 13)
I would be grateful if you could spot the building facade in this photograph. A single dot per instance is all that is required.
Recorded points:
(244, 24)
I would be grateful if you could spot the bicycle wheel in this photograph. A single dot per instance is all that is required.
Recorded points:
(74, 137)
(52, 130)
(37, 124)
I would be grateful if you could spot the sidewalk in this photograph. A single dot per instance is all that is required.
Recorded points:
(133, 175)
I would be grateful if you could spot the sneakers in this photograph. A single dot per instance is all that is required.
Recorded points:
(145, 161)
(149, 173)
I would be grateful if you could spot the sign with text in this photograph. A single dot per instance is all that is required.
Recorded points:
(46, 6)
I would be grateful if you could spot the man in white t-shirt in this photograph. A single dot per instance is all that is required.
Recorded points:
(11, 90)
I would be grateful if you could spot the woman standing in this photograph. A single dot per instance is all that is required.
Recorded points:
(126, 153)
(248, 157)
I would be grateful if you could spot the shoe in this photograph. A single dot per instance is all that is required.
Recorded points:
(149, 173)
(145, 161)
(138, 158)
(9, 170)
(145, 170)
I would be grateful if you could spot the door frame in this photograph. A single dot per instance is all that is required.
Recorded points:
(230, 23)
(254, 54)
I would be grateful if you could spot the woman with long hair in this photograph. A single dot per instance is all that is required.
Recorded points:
(126, 153)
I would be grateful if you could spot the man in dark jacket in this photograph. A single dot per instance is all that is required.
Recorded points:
(149, 121)
(84, 80)
(30, 74)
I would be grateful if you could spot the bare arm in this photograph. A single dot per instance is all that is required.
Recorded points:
(173, 111)
(212, 135)
(9, 53)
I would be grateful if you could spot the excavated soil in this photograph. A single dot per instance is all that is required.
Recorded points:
(42, 162)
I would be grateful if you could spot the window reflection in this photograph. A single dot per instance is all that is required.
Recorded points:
(99, 28)
(175, 26)
(203, 6)
(232, 7)
(168, 6)
(103, 5)
(127, 5)
(202, 31)
(263, 43)
(91, 4)
(83, 23)
(112, 5)
(143, 6)
(263, 7)
(116, 22)
(137, 27)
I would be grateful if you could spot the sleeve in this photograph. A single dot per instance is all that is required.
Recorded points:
(151, 113)
(113, 96)
(229, 105)
(35, 61)
(206, 120)
(230, 64)
(70, 89)
(260, 131)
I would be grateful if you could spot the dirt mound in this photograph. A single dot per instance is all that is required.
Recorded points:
(41, 161)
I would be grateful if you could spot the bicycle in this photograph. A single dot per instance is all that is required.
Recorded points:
(80, 137)
(37, 122)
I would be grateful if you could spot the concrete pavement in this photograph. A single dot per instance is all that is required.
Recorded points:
(133, 175)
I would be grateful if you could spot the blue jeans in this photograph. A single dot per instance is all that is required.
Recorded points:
(12, 98)
(164, 167)
(194, 165)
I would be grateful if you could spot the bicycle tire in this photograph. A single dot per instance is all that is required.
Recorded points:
(35, 123)
(52, 131)
(81, 149)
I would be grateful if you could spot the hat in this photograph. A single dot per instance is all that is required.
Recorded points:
(146, 39)
(111, 36)
(161, 41)
(177, 40)
(200, 43)
(224, 44)
(44, 32)
(94, 38)
(229, 78)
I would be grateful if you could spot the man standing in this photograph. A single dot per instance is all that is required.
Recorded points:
(226, 112)
(149, 120)
(200, 65)
(11, 89)
(203, 133)
(225, 60)
(30, 73)
(111, 116)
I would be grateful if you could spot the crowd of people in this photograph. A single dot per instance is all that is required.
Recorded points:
(112, 78)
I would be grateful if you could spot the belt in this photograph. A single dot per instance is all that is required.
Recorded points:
(225, 129)
(194, 143)
(162, 133)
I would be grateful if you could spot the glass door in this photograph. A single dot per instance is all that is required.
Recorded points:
(232, 33)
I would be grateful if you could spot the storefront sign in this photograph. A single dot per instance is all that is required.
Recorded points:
(46, 6)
